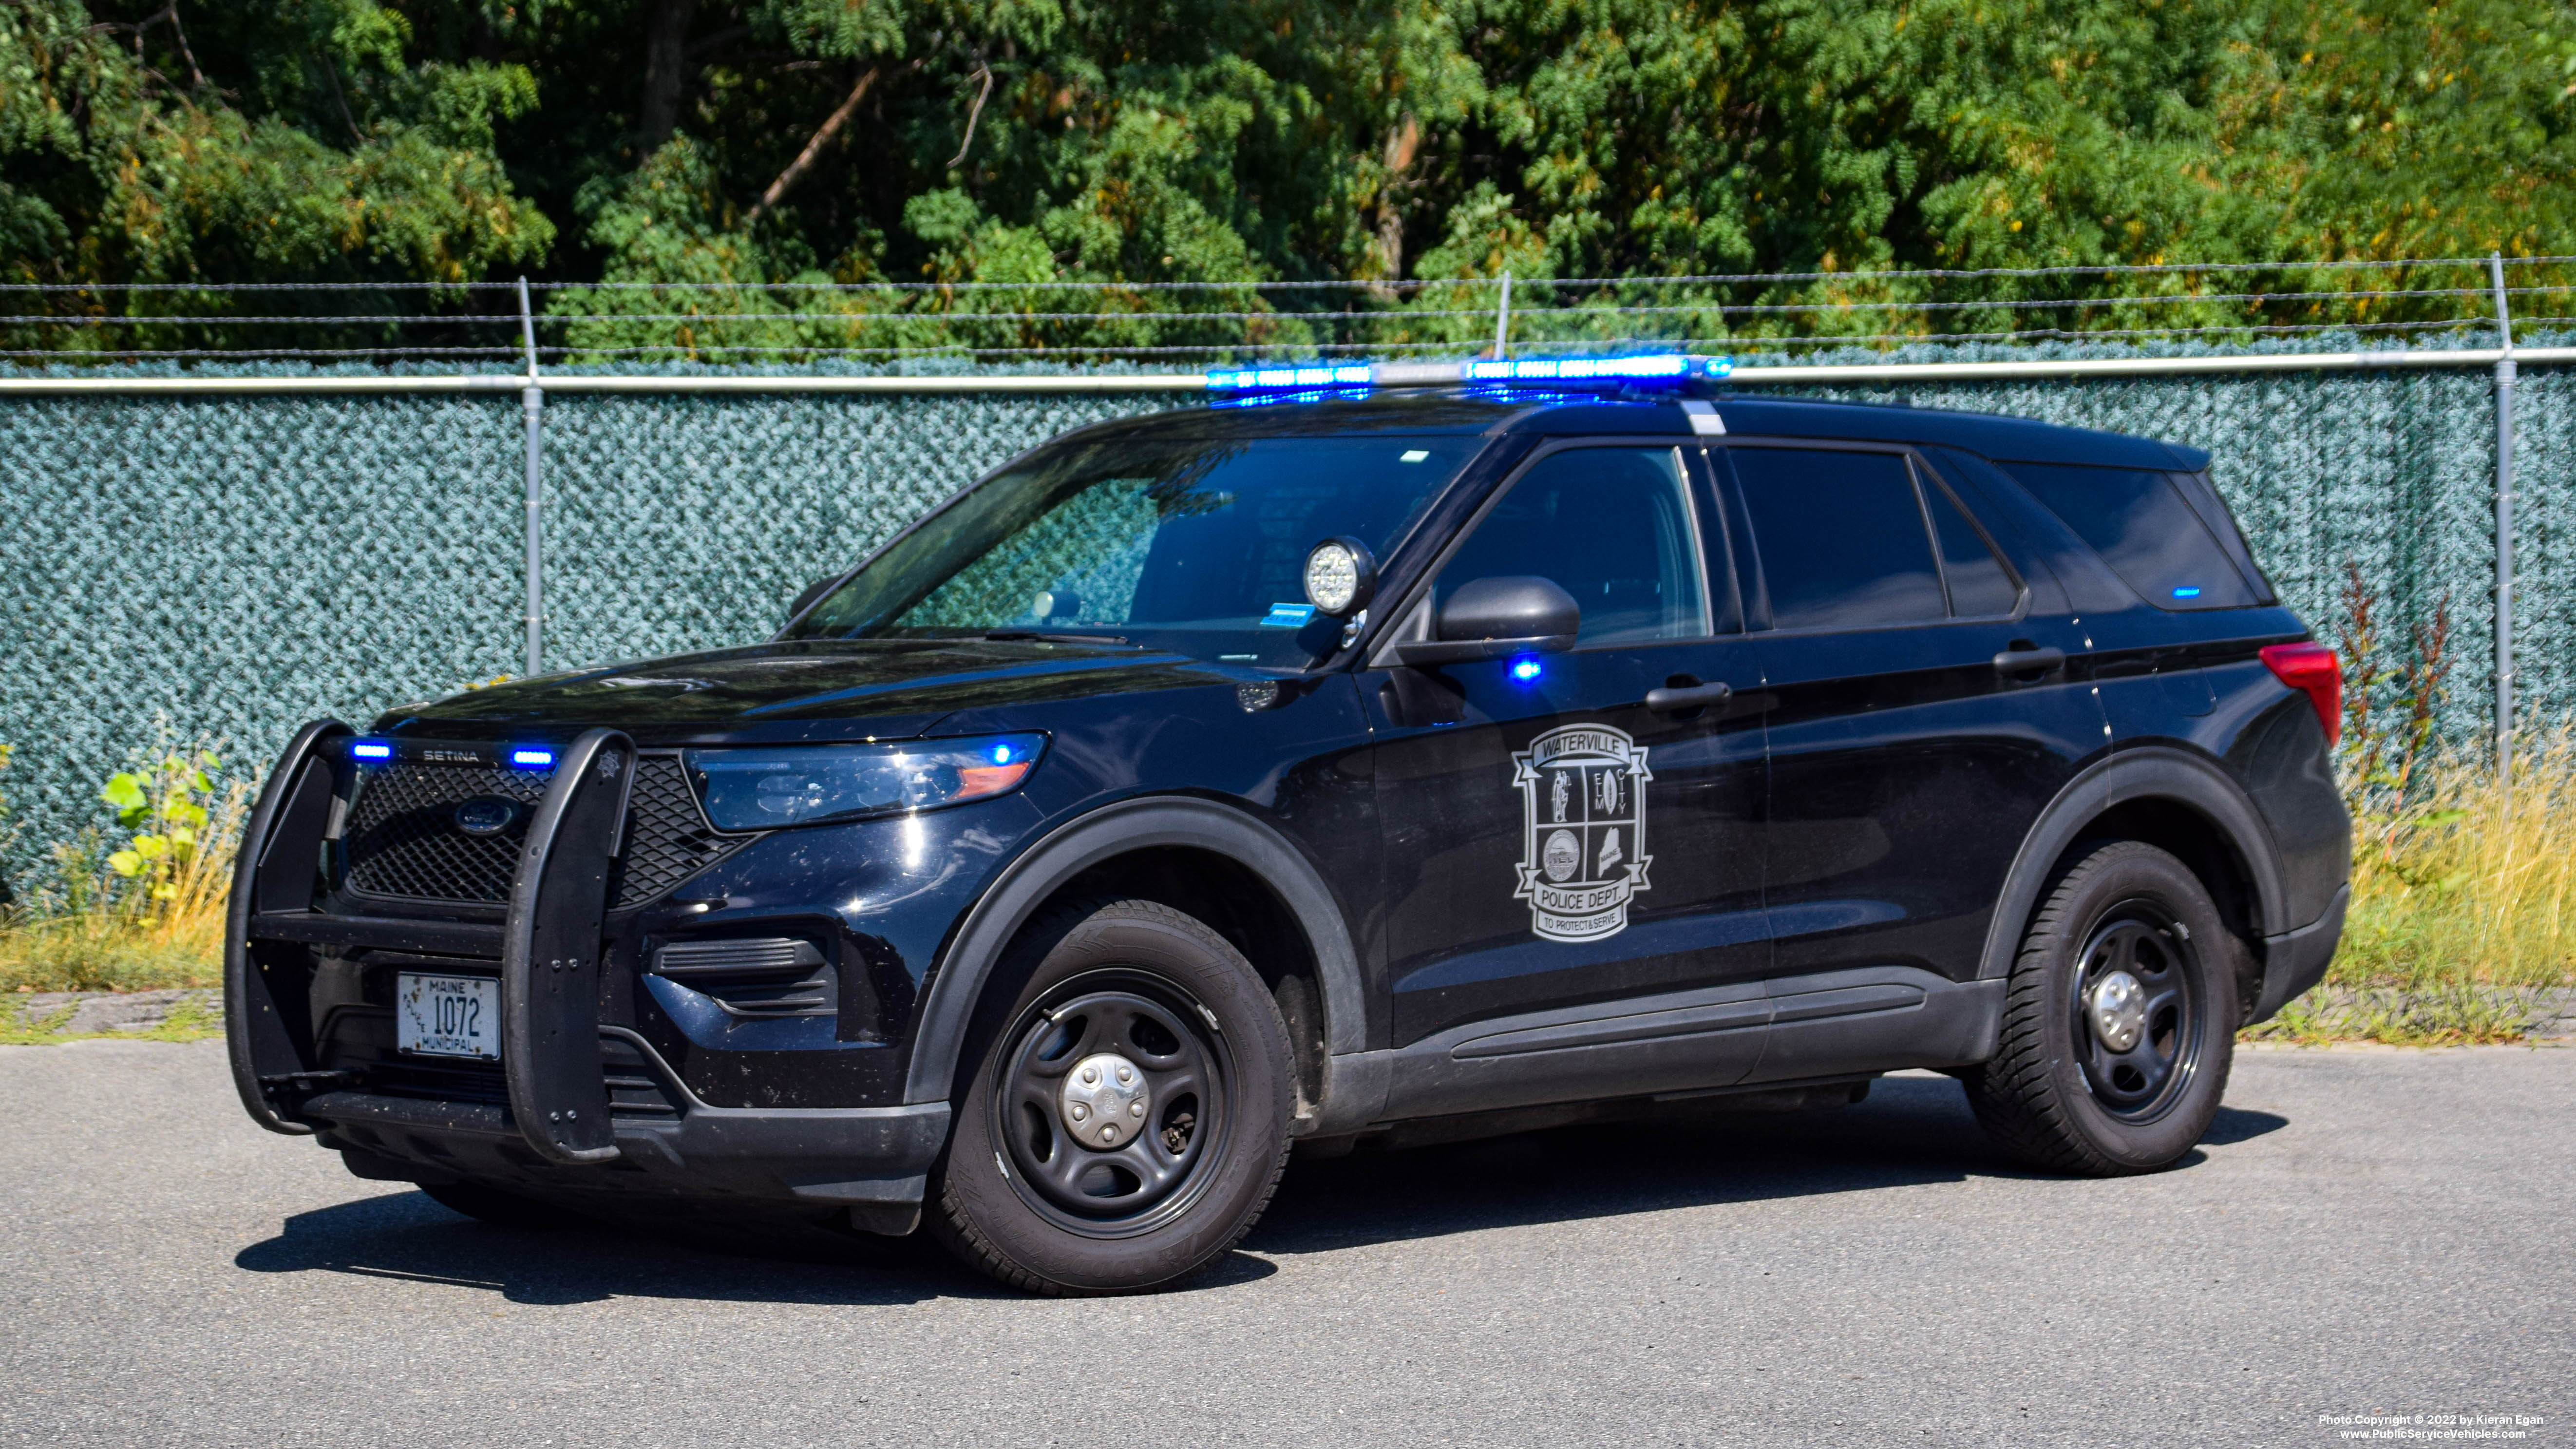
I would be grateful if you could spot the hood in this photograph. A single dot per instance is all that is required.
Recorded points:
(803, 690)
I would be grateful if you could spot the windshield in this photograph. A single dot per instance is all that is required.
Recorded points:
(1194, 546)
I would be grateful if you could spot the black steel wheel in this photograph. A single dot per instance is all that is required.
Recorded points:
(2135, 997)
(2119, 1020)
(1114, 1108)
(1127, 1116)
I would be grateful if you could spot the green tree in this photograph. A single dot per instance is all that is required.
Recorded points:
(1052, 151)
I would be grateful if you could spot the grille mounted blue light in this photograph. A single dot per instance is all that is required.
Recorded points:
(1668, 367)
(370, 750)
(533, 759)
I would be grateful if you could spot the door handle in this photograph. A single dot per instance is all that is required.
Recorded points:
(1672, 699)
(2030, 661)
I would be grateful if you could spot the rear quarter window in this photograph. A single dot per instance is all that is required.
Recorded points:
(2142, 526)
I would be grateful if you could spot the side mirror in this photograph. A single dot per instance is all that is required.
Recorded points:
(813, 591)
(1499, 617)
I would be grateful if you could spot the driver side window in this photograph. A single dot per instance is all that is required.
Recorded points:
(1612, 527)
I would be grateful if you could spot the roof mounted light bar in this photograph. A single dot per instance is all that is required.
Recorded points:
(1670, 368)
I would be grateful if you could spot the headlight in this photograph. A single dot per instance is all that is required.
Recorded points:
(762, 789)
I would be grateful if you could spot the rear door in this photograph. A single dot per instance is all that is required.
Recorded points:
(1922, 712)
(1555, 848)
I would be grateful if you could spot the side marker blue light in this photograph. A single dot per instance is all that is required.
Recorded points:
(532, 759)
(2189, 592)
(1526, 670)
(368, 750)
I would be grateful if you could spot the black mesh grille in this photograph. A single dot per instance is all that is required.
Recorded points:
(667, 839)
(404, 842)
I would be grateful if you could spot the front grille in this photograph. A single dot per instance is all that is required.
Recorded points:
(404, 843)
(668, 839)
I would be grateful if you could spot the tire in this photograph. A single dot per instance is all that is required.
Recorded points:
(1171, 1167)
(2098, 1077)
(501, 1209)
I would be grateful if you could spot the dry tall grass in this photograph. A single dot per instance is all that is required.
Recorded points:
(2471, 879)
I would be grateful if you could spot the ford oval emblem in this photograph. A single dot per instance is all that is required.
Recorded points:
(486, 815)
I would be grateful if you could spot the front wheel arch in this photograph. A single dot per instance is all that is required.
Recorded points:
(1045, 872)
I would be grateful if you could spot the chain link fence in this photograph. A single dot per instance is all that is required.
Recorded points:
(233, 566)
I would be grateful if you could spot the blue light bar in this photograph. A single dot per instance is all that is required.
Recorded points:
(1671, 367)
(1327, 375)
(370, 750)
(533, 759)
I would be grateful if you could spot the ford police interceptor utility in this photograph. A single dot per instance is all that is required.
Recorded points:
(1377, 754)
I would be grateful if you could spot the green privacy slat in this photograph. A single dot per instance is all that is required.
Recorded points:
(241, 564)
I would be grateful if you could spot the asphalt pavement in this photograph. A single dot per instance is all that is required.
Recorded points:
(2365, 1233)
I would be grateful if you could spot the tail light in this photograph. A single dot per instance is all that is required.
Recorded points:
(2314, 669)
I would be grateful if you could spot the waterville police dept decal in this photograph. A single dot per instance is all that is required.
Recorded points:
(1583, 851)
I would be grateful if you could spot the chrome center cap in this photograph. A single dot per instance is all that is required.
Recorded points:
(1104, 1101)
(2117, 1006)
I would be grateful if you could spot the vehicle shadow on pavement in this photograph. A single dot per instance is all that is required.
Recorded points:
(406, 1236)
(1912, 1130)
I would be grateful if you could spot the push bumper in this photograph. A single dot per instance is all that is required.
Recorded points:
(555, 1128)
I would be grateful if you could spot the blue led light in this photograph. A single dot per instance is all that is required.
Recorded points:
(1001, 754)
(532, 759)
(2189, 591)
(369, 750)
(1580, 369)
(1526, 670)
(1307, 378)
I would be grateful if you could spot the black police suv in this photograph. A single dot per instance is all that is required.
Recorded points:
(1367, 767)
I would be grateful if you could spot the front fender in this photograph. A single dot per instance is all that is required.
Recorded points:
(957, 981)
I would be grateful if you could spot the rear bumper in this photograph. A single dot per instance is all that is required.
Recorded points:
(2296, 960)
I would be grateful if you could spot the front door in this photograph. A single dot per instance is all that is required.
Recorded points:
(1553, 844)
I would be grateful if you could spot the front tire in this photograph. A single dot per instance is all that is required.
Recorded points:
(1127, 1119)
(2119, 1020)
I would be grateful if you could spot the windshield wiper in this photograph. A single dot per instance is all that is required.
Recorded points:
(1012, 636)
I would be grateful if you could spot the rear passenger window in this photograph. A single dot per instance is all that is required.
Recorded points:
(1840, 536)
(1979, 586)
(2144, 530)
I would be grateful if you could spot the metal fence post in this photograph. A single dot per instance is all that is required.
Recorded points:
(532, 401)
(1503, 321)
(2504, 378)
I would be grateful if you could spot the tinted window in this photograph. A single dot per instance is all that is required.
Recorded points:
(1840, 536)
(1978, 584)
(1612, 527)
(1189, 545)
(2144, 530)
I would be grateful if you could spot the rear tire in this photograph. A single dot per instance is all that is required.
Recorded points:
(501, 1209)
(1127, 1116)
(2119, 1020)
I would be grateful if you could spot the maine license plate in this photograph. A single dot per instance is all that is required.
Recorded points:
(448, 1016)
